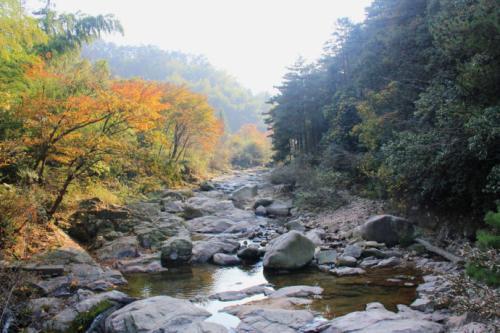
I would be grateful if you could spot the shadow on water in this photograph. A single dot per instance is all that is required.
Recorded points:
(341, 294)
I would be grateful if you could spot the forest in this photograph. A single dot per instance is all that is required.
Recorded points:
(404, 106)
(70, 129)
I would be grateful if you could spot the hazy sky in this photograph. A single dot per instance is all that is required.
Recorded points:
(254, 40)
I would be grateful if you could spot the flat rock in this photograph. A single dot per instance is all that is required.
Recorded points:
(241, 294)
(353, 250)
(345, 271)
(296, 291)
(155, 314)
(346, 261)
(119, 248)
(204, 250)
(376, 319)
(209, 224)
(389, 262)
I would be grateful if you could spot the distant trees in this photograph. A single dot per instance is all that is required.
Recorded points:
(238, 106)
(406, 103)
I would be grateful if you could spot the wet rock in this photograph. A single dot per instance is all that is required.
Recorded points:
(244, 193)
(389, 262)
(377, 319)
(278, 209)
(326, 257)
(250, 253)
(345, 271)
(353, 251)
(295, 225)
(296, 291)
(176, 251)
(261, 211)
(346, 261)
(241, 294)
(289, 251)
(119, 248)
(223, 259)
(388, 229)
(155, 314)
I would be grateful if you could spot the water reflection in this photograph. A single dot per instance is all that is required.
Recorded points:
(341, 294)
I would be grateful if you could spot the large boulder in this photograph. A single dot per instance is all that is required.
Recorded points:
(155, 314)
(204, 250)
(119, 248)
(388, 229)
(176, 251)
(289, 251)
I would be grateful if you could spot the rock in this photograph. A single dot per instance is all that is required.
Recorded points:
(422, 304)
(244, 193)
(289, 251)
(223, 259)
(374, 244)
(353, 251)
(376, 319)
(388, 229)
(346, 261)
(269, 320)
(250, 253)
(155, 314)
(173, 207)
(316, 236)
(261, 211)
(205, 327)
(204, 250)
(390, 262)
(369, 262)
(226, 296)
(295, 225)
(207, 186)
(210, 224)
(173, 195)
(278, 209)
(326, 257)
(62, 321)
(373, 253)
(144, 264)
(119, 248)
(176, 251)
(44, 270)
(42, 308)
(296, 291)
(345, 271)
(264, 202)
(472, 328)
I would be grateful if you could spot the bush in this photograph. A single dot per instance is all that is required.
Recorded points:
(319, 189)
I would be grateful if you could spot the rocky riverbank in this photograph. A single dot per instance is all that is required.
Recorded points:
(235, 220)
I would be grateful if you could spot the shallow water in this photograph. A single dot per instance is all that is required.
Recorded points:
(340, 296)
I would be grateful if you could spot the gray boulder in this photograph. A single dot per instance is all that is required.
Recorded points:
(326, 257)
(353, 250)
(346, 261)
(388, 229)
(261, 211)
(223, 259)
(295, 225)
(155, 314)
(289, 251)
(278, 209)
(119, 248)
(250, 253)
(264, 202)
(176, 251)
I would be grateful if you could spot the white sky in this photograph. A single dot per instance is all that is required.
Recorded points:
(253, 40)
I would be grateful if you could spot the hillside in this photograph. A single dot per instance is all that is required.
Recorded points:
(237, 105)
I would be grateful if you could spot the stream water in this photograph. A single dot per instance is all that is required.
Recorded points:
(341, 294)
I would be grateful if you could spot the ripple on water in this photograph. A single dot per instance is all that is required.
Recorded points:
(341, 294)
